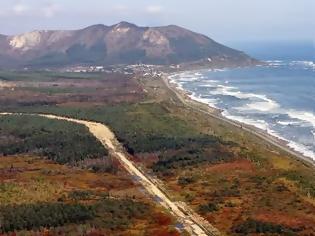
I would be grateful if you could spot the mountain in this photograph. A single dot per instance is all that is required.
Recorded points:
(122, 43)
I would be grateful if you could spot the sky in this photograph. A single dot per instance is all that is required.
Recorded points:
(222, 20)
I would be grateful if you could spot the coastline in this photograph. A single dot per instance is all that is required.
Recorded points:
(187, 100)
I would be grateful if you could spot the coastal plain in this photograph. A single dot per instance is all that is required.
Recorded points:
(241, 184)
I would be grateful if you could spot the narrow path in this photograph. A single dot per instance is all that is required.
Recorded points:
(192, 222)
(261, 134)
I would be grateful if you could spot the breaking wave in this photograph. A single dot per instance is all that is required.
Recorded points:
(268, 113)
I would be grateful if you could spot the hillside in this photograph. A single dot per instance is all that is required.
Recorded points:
(122, 43)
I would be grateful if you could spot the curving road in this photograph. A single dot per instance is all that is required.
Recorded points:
(192, 222)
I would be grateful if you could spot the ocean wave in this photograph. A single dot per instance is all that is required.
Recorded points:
(304, 64)
(276, 63)
(212, 102)
(230, 91)
(208, 85)
(263, 125)
(300, 148)
(259, 102)
(288, 123)
(217, 70)
(172, 80)
(254, 103)
(188, 78)
(264, 106)
(303, 116)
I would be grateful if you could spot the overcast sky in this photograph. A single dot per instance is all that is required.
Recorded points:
(225, 20)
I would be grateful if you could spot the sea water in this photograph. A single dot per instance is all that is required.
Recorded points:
(278, 98)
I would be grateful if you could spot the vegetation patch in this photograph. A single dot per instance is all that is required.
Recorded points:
(45, 75)
(141, 128)
(210, 152)
(34, 216)
(306, 181)
(109, 203)
(108, 213)
(253, 226)
(209, 207)
(60, 141)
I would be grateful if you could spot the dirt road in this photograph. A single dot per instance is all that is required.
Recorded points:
(261, 134)
(192, 222)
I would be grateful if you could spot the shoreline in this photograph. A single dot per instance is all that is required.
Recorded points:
(185, 98)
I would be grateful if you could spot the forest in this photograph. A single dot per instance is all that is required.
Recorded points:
(59, 141)
(251, 226)
(107, 213)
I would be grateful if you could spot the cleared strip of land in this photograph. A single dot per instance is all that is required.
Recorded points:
(192, 222)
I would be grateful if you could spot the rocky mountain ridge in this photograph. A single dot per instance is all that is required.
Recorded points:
(122, 43)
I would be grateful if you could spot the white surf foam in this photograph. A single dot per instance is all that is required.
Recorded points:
(261, 103)
(173, 80)
(269, 105)
(288, 123)
(300, 148)
(207, 85)
(212, 102)
(258, 102)
(188, 79)
(305, 64)
(230, 91)
(264, 106)
(303, 116)
(263, 125)
(276, 63)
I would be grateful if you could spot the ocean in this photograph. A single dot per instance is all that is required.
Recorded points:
(278, 98)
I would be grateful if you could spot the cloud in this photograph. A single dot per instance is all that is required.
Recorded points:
(154, 9)
(20, 9)
(47, 10)
(120, 7)
(50, 10)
